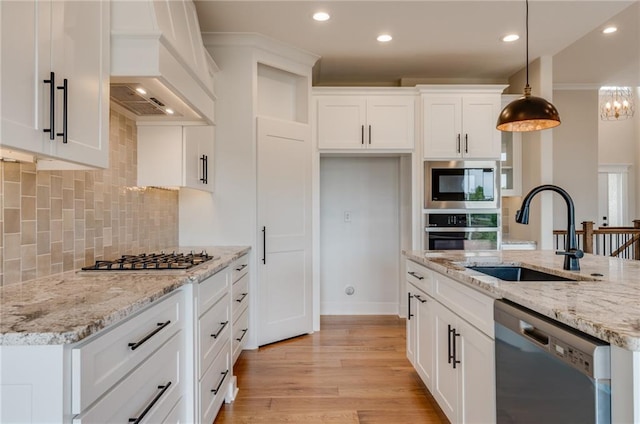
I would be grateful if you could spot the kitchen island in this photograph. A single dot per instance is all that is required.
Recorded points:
(76, 346)
(600, 300)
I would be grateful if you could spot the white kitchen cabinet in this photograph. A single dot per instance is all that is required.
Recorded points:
(239, 306)
(451, 327)
(55, 81)
(214, 374)
(134, 366)
(460, 122)
(365, 122)
(176, 156)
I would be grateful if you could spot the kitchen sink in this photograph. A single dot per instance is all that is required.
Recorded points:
(517, 273)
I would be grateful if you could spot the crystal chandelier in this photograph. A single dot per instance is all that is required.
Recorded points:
(616, 103)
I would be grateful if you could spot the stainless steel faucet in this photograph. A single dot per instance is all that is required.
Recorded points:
(571, 252)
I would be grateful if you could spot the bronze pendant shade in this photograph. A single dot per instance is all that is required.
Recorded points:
(528, 113)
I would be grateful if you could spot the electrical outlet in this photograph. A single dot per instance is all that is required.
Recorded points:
(347, 216)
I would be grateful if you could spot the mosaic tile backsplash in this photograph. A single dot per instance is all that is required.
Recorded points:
(55, 221)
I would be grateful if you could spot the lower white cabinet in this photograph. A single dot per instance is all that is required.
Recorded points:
(453, 357)
(148, 394)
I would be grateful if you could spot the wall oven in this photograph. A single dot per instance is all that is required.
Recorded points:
(461, 184)
(462, 231)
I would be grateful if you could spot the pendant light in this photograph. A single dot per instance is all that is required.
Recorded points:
(528, 113)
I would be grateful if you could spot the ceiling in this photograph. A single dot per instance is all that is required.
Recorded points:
(442, 41)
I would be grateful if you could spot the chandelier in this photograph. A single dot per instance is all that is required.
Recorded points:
(616, 103)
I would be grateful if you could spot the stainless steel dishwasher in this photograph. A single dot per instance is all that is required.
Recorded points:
(547, 372)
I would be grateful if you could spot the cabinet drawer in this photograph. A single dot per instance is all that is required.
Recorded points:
(239, 336)
(213, 386)
(420, 277)
(470, 304)
(240, 296)
(211, 290)
(105, 359)
(239, 268)
(154, 387)
(213, 331)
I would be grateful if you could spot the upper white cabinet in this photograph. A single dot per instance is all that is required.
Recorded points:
(55, 80)
(350, 121)
(460, 121)
(176, 156)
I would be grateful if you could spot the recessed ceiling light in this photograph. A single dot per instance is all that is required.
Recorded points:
(509, 38)
(609, 30)
(321, 16)
(169, 111)
(141, 90)
(384, 38)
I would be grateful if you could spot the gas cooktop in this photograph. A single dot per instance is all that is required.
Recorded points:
(152, 262)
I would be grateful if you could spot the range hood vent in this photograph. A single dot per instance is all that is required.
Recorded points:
(157, 46)
(129, 98)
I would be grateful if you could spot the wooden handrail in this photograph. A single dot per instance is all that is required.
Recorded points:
(588, 233)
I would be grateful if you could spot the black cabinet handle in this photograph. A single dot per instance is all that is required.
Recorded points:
(137, 344)
(244, 333)
(224, 375)
(458, 148)
(453, 354)
(264, 245)
(466, 143)
(65, 88)
(241, 298)
(222, 325)
(153, 402)
(415, 274)
(205, 165)
(362, 135)
(448, 343)
(417, 296)
(369, 134)
(241, 267)
(52, 106)
(409, 314)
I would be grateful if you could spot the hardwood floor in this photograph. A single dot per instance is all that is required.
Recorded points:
(353, 371)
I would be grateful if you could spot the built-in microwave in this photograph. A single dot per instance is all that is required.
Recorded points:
(461, 185)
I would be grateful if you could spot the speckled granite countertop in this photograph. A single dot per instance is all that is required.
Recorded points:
(68, 307)
(606, 306)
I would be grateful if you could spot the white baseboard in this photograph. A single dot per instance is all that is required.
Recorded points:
(358, 308)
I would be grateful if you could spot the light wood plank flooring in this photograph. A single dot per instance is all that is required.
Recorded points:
(354, 370)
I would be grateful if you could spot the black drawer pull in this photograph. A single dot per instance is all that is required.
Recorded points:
(241, 267)
(161, 325)
(153, 402)
(415, 274)
(224, 375)
(417, 296)
(222, 324)
(65, 99)
(52, 106)
(244, 333)
(242, 297)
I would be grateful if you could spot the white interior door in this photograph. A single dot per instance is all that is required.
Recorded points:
(284, 227)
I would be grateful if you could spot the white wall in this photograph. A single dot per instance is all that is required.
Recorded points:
(363, 253)
(537, 158)
(575, 155)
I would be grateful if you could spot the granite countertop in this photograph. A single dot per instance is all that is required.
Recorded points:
(68, 307)
(603, 302)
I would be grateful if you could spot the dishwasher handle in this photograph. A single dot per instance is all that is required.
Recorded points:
(534, 333)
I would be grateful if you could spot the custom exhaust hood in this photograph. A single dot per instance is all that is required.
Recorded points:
(160, 70)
